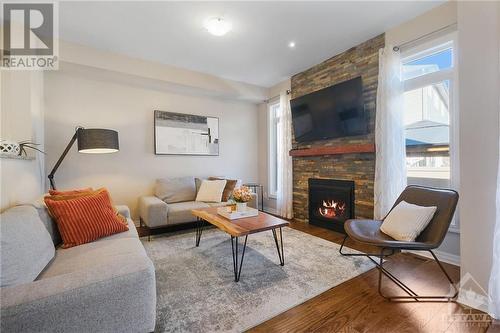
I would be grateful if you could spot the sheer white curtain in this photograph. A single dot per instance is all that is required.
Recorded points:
(285, 178)
(390, 169)
(494, 285)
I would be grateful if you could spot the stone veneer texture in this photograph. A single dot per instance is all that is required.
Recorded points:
(361, 60)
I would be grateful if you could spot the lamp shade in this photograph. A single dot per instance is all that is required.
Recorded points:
(97, 141)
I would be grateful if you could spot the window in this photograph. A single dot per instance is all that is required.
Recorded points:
(274, 112)
(430, 114)
(428, 75)
(427, 124)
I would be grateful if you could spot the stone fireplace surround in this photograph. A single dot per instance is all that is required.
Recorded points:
(350, 158)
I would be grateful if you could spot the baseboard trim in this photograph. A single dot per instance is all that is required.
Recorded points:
(443, 256)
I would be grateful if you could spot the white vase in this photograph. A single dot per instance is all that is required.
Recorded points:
(10, 148)
(241, 206)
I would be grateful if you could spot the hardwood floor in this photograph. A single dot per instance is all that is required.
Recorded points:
(355, 305)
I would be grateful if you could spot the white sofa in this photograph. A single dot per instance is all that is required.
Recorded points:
(173, 201)
(104, 286)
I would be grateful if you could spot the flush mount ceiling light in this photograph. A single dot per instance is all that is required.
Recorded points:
(291, 44)
(217, 26)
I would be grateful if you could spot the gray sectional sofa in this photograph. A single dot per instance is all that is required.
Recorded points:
(173, 201)
(104, 286)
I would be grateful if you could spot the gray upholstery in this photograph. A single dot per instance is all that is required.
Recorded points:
(156, 212)
(49, 223)
(153, 211)
(104, 286)
(172, 190)
(216, 204)
(26, 246)
(180, 212)
(117, 297)
(123, 210)
(130, 233)
(198, 182)
(93, 256)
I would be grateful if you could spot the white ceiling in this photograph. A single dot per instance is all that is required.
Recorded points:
(256, 50)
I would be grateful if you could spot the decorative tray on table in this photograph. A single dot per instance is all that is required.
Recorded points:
(233, 215)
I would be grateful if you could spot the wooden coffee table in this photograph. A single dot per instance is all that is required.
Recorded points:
(239, 228)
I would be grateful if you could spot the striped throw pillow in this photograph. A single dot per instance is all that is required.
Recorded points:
(83, 193)
(84, 219)
(71, 192)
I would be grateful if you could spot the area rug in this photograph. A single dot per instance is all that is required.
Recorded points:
(196, 291)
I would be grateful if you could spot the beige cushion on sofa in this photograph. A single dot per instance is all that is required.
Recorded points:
(406, 221)
(197, 182)
(180, 212)
(211, 190)
(217, 204)
(92, 256)
(178, 189)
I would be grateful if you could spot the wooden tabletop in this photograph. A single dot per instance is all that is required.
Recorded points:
(240, 227)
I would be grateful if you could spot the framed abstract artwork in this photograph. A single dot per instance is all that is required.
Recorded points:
(185, 134)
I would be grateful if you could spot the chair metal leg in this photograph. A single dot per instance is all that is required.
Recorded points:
(382, 270)
(412, 296)
(237, 266)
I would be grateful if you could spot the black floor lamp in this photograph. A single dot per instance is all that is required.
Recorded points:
(90, 141)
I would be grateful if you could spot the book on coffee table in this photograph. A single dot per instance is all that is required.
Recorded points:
(233, 215)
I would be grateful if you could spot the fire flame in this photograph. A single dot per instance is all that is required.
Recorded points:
(331, 208)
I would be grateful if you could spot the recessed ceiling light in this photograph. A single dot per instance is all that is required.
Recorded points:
(291, 44)
(217, 26)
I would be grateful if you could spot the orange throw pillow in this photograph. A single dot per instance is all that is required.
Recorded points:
(84, 219)
(70, 192)
(83, 193)
(59, 197)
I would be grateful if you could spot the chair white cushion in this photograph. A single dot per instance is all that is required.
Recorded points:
(211, 190)
(406, 221)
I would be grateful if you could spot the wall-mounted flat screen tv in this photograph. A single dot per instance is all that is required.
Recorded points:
(333, 112)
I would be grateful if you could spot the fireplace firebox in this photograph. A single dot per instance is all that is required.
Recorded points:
(331, 203)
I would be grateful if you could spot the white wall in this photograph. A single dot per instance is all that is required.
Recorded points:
(81, 97)
(166, 76)
(21, 119)
(478, 38)
(433, 20)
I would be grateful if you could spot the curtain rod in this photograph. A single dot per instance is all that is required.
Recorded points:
(288, 92)
(398, 47)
